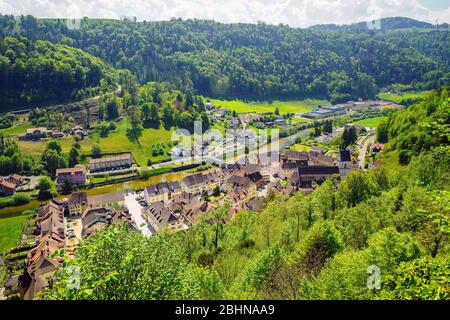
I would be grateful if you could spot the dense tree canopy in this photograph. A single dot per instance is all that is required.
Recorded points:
(37, 72)
(253, 59)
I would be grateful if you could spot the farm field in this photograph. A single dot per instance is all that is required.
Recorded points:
(294, 106)
(371, 122)
(10, 231)
(406, 95)
(116, 142)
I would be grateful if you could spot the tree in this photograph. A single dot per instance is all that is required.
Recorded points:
(382, 132)
(218, 217)
(357, 187)
(54, 145)
(431, 274)
(120, 264)
(349, 136)
(277, 111)
(74, 157)
(45, 187)
(52, 161)
(321, 242)
(135, 116)
(66, 186)
(96, 151)
(146, 111)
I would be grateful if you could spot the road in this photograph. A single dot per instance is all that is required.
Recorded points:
(135, 210)
(368, 139)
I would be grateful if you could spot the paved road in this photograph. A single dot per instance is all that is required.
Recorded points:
(135, 210)
(369, 139)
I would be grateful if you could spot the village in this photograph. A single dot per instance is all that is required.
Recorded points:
(243, 184)
(175, 205)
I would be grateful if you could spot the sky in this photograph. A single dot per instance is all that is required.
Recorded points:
(296, 13)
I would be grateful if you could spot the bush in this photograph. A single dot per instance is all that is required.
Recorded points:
(20, 199)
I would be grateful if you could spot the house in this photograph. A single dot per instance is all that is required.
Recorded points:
(74, 176)
(287, 169)
(15, 179)
(41, 266)
(41, 133)
(302, 169)
(280, 122)
(259, 125)
(313, 174)
(106, 200)
(194, 209)
(256, 204)
(239, 195)
(93, 220)
(36, 133)
(305, 159)
(6, 188)
(200, 182)
(44, 259)
(78, 202)
(163, 191)
(110, 163)
(299, 158)
(235, 181)
(98, 218)
(160, 217)
(317, 149)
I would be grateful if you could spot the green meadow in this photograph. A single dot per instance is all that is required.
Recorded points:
(10, 232)
(293, 106)
(406, 95)
(116, 142)
(371, 122)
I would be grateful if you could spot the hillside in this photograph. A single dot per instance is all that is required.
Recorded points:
(39, 72)
(323, 245)
(392, 23)
(252, 60)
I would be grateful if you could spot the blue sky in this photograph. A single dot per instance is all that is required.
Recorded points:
(296, 13)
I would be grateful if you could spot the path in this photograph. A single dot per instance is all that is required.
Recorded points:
(368, 139)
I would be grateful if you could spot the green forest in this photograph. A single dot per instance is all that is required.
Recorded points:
(37, 72)
(249, 60)
(329, 244)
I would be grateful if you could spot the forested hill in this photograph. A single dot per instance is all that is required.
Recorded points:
(384, 24)
(38, 72)
(256, 60)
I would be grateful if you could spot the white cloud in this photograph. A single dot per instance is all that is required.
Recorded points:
(297, 13)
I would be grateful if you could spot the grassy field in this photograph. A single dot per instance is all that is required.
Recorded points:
(116, 142)
(371, 122)
(300, 147)
(294, 106)
(13, 211)
(10, 232)
(18, 128)
(406, 95)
